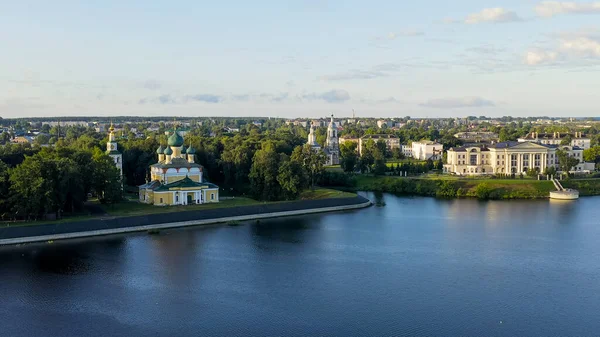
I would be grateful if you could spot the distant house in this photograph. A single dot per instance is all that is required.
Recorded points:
(23, 140)
(257, 123)
(427, 149)
(231, 129)
(577, 139)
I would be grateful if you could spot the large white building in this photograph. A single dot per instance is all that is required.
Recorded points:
(426, 149)
(391, 141)
(577, 139)
(509, 158)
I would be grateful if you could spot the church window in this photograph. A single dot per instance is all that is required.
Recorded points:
(161, 200)
(212, 196)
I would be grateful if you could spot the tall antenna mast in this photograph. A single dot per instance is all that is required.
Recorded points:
(353, 115)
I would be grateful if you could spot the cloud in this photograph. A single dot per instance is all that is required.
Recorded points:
(166, 99)
(454, 103)
(378, 71)
(495, 15)
(355, 75)
(152, 85)
(552, 8)
(569, 49)
(332, 96)
(537, 57)
(582, 46)
(169, 99)
(207, 98)
(402, 33)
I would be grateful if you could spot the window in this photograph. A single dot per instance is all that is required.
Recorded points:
(212, 196)
(498, 163)
(176, 197)
(513, 160)
(537, 159)
(473, 159)
(525, 161)
(161, 201)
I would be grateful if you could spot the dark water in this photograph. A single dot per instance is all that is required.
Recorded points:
(416, 267)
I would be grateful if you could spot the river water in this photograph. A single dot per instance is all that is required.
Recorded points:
(414, 267)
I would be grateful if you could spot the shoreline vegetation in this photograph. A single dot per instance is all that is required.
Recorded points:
(483, 188)
(129, 208)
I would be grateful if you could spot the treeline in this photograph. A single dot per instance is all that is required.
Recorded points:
(55, 181)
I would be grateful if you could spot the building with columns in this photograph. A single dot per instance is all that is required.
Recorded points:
(176, 179)
(509, 158)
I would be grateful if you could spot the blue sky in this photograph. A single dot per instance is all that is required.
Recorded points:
(299, 58)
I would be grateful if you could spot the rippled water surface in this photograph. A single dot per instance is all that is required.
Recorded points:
(416, 267)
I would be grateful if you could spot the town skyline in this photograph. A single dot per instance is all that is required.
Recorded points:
(301, 59)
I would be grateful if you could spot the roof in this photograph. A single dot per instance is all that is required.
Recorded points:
(185, 183)
(389, 136)
(175, 139)
(509, 144)
(154, 184)
(427, 142)
(464, 148)
(176, 163)
(160, 150)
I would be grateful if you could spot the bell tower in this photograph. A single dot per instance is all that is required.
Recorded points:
(112, 149)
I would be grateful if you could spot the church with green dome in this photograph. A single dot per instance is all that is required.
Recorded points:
(176, 179)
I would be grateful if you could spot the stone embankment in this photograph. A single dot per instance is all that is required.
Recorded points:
(108, 226)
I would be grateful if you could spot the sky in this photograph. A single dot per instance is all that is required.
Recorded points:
(299, 58)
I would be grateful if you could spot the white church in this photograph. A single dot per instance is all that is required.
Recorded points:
(332, 144)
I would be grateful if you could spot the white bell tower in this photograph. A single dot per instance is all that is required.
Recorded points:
(113, 151)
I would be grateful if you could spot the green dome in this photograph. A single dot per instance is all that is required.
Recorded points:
(168, 151)
(160, 150)
(175, 139)
(183, 149)
(190, 150)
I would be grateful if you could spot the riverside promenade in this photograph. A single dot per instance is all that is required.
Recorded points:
(118, 225)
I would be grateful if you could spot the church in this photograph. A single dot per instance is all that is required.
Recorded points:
(176, 179)
(332, 144)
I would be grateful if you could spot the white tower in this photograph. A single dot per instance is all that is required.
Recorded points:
(312, 138)
(332, 136)
(113, 151)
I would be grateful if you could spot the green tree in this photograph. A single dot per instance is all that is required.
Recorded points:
(566, 140)
(566, 162)
(291, 178)
(349, 156)
(264, 172)
(312, 161)
(106, 179)
(592, 154)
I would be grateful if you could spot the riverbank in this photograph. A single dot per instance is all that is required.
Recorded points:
(481, 188)
(159, 221)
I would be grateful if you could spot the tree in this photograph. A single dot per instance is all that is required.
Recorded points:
(592, 154)
(264, 172)
(106, 179)
(349, 159)
(566, 162)
(312, 161)
(550, 171)
(566, 140)
(291, 178)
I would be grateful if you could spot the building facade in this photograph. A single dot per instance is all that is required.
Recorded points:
(426, 149)
(176, 179)
(510, 158)
(577, 139)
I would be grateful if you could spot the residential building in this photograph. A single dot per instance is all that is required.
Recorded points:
(22, 140)
(383, 123)
(577, 139)
(509, 158)
(477, 136)
(391, 141)
(426, 149)
(407, 151)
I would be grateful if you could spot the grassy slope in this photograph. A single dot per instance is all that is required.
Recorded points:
(132, 207)
(508, 188)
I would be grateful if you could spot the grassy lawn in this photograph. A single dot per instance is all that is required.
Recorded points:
(324, 193)
(131, 207)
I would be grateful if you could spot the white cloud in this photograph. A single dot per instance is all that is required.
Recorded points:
(552, 8)
(572, 48)
(582, 46)
(537, 57)
(453, 103)
(332, 96)
(496, 15)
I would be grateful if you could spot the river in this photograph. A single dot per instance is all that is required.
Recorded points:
(414, 267)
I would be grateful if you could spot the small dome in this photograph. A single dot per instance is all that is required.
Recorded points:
(190, 150)
(183, 149)
(160, 150)
(168, 151)
(175, 139)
